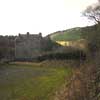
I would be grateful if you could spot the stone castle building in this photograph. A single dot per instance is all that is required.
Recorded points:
(28, 46)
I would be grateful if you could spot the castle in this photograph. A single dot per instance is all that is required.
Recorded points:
(28, 46)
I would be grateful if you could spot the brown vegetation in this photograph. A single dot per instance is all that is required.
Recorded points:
(83, 85)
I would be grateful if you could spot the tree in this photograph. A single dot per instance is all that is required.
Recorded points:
(92, 12)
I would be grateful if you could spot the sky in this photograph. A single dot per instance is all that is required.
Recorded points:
(45, 16)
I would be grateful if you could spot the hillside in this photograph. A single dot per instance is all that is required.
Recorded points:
(85, 82)
(67, 35)
(89, 33)
(77, 33)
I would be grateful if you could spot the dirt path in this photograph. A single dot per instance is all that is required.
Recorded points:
(81, 85)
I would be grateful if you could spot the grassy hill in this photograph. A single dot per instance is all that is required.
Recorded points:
(67, 35)
(89, 33)
(90, 70)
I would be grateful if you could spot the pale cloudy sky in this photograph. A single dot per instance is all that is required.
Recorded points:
(46, 16)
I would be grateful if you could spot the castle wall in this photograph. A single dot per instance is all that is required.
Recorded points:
(28, 46)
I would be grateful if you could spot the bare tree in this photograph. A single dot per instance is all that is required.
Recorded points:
(92, 12)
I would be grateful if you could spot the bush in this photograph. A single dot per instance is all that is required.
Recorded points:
(75, 55)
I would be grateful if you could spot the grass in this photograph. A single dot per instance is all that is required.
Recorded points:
(31, 81)
(67, 35)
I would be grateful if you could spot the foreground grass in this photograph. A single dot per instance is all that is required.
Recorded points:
(31, 81)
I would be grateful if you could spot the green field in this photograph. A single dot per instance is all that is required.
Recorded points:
(67, 35)
(19, 81)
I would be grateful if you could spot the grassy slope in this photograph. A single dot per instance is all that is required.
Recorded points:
(89, 33)
(89, 71)
(66, 35)
(23, 85)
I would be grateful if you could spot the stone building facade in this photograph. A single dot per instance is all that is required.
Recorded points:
(28, 46)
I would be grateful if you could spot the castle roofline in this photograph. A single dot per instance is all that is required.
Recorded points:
(28, 35)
